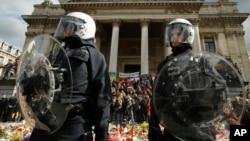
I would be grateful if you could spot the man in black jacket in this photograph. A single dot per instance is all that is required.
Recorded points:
(91, 85)
(179, 35)
(3, 108)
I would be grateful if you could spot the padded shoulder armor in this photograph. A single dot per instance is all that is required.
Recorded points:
(79, 53)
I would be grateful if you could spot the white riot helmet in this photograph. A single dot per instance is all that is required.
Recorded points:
(184, 27)
(76, 23)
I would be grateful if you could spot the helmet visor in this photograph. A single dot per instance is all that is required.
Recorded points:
(68, 26)
(178, 33)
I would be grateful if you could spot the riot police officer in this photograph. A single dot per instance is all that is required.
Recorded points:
(179, 35)
(91, 95)
(191, 96)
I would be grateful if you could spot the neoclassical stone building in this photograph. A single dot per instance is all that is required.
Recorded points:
(7, 52)
(130, 33)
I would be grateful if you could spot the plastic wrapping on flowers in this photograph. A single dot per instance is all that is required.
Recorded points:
(129, 132)
(14, 132)
(126, 132)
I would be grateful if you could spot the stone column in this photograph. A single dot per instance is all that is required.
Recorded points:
(222, 44)
(114, 47)
(98, 41)
(241, 42)
(197, 43)
(167, 51)
(29, 38)
(232, 45)
(167, 48)
(244, 65)
(144, 46)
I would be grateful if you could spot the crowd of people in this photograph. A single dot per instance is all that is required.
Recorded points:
(9, 110)
(130, 101)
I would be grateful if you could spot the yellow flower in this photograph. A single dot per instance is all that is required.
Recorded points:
(144, 125)
(16, 136)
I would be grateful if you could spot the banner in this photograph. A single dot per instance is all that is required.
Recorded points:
(129, 75)
(112, 75)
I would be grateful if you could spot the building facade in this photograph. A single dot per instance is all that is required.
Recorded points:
(130, 33)
(7, 52)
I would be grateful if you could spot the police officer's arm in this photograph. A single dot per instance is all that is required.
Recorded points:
(154, 128)
(103, 99)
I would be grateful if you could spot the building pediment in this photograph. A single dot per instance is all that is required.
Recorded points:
(91, 5)
(118, 1)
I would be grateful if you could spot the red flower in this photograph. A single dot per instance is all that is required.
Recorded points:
(129, 139)
(131, 131)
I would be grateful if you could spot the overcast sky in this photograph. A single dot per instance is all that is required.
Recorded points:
(13, 27)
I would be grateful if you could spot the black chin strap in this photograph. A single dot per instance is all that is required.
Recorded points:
(73, 41)
(180, 49)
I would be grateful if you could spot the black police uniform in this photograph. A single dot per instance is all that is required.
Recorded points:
(155, 133)
(91, 90)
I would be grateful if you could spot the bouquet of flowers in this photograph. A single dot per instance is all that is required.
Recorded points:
(129, 132)
(14, 132)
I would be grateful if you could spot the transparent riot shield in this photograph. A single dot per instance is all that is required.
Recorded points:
(196, 96)
(44, 82)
